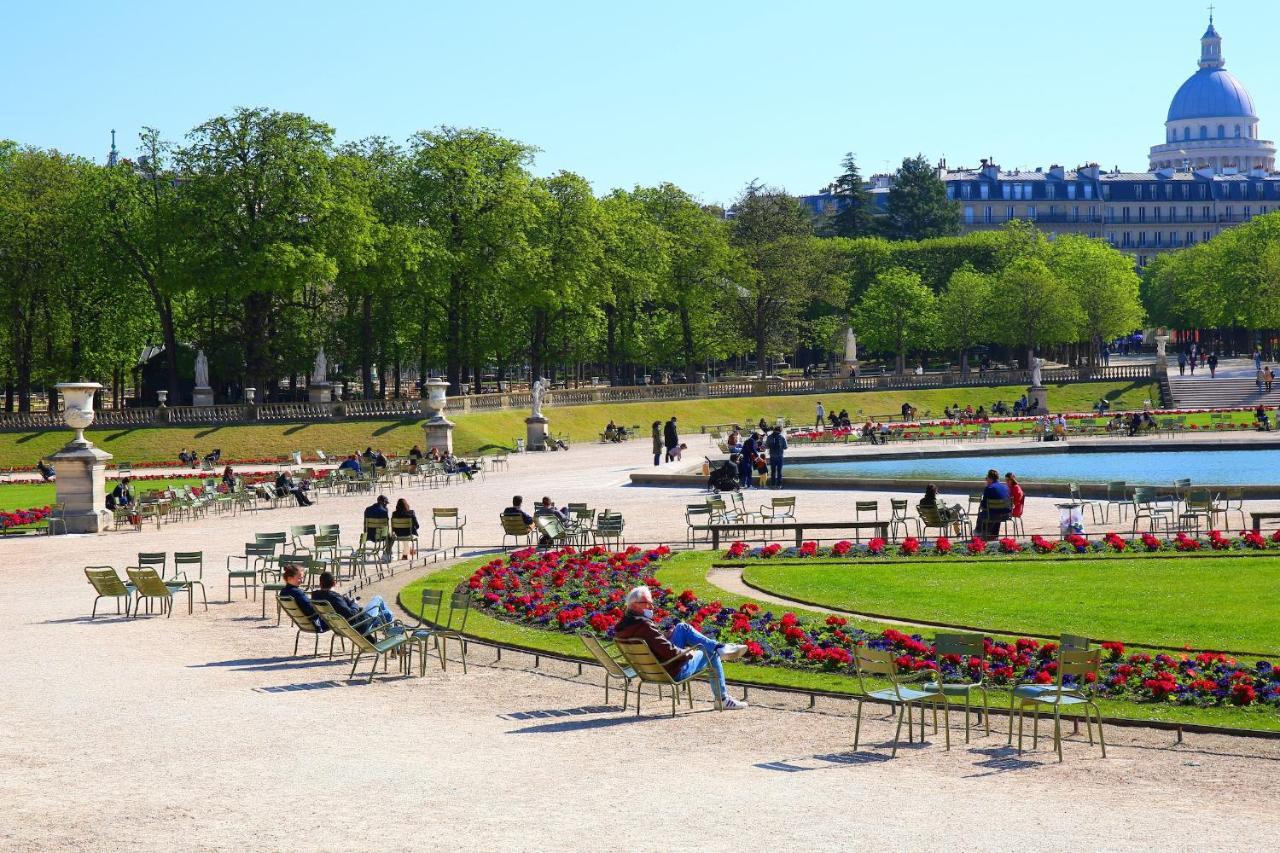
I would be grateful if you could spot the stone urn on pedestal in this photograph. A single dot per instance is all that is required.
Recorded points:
(438, 428)
(81, 480)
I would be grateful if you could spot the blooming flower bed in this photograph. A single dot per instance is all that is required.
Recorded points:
(574, 591)
(1007, 547)
(23, 517)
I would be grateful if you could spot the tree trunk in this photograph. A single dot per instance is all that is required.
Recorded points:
(611, 342)
(256, 307)
(366, 344)
(686, 338)
(453, 332)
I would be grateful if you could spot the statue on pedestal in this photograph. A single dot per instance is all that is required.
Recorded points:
(536, 391)
(1036, 365)
(202, 370)
(320, 371)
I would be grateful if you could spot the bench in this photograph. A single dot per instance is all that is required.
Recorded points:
(1260, 515)
(881, 528)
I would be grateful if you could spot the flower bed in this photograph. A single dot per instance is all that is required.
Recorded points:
(1111, 543)
(575, 591)
(18, 518)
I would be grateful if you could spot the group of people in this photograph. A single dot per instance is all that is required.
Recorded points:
(1001, 500)
(763, 452)
(615, 433)
(666, 442)
(364, 618)
(191, 458)
(1194, 354)
(837, 420)
(1264, 377)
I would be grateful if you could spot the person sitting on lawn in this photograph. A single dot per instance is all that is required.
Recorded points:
(364, 619)
(47, 473)
(685, 652)
(121, 496)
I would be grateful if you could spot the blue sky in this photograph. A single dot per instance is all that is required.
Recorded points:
(708, 95)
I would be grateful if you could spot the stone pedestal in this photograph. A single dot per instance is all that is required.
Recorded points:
(81, 485)
(439, 434)
(1037, 400)
(202, 396)
(320, 393)
(536, 433)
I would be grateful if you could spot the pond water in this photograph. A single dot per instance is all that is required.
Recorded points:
(1217, 467)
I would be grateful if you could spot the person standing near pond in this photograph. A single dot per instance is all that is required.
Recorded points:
(776, 444)
(657, 443)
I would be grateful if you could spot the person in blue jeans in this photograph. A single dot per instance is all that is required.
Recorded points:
(365, 619)
(685, 652)
(777, 445)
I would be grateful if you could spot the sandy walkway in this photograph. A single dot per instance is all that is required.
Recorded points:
(200, 732)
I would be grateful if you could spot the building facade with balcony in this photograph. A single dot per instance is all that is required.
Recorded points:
(1220, 175)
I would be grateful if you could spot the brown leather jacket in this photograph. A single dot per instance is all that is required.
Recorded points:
(671, 657)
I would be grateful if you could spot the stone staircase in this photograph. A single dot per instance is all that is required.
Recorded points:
(1201, 392)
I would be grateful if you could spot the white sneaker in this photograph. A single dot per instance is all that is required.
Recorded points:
(732, 651)
(731, 704)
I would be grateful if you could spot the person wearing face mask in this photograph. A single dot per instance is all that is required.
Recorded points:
(683, 653)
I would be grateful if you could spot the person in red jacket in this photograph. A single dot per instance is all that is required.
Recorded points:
(1017, 497)
(685, 652)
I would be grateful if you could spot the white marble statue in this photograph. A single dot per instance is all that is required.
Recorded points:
(850, 346)
(202, 370)
(1161, 341)
(536, 391)
(1036, 365)
(320, 371)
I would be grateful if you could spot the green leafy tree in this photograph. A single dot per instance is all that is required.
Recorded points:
(634, 261)
(1105, 286)
(897, 313)
(1031, 307)
(964, 309)
(918, 207)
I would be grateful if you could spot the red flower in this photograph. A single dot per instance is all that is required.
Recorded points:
(910, 546)
(976, 545)
(876, 546)
(736, 550)
(808, 549)
(943, 545)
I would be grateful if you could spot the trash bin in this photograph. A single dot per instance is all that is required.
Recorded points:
(1070, 519)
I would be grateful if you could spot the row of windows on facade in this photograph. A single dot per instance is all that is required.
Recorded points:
(1018, 191)
(1117, 214)
(1250, 133)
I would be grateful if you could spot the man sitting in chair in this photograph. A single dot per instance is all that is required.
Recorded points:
(685, 652)
(515, 510)
(989, 520)
(373, 615)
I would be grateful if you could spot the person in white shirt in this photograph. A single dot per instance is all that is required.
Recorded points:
(820, 417)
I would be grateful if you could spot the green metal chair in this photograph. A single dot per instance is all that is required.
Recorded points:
(305, 625)
(425, 632)
(650, 671)
(185, 560)
(390, 641)
(158, 560)
(898, 518)
(299, 533)
(1118, 497)
(1078, 664)
(459, 608)
(447, 519)
(255, 556)
(861, 508)
(963, 647)
(880, 664)
(107, 584)
(514, 527)
(147, 584)
(1066, 642)
(613, 666)
(552, 530)
(402, 535)
(609, 529)
(1147, 505)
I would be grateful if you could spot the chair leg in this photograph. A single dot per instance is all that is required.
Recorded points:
(1020, 716)
(354, 664)
(1057, 731)
(898, 733)
(857, 727)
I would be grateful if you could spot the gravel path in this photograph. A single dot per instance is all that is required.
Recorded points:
(201, 732)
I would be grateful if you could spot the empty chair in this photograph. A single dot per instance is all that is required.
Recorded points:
(1147, 506)
(898, 518)
(779, 509)
(1078, 665)
(959, 649)
(865, 508)
(158, 560)
(880, 665)
(1066, 642)
(697, 515)
(447, 520)
(186, 563)
(609, 529)
(1118, 499)
(107, 584)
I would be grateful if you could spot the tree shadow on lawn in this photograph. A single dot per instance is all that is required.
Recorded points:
(296, 428)
(204, 433)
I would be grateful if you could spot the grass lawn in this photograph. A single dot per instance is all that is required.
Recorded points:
(1203, 603)
(489, 431)
(688, 571)
(26, 495)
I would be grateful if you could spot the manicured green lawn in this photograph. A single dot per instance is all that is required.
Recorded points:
(490, 431)
(1204, 603)
(26, 495)
(688, 571)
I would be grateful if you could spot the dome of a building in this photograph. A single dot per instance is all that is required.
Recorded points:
(1211, 93)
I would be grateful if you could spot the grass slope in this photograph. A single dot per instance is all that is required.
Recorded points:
(688, 571)
(485, 431)
(1203, 603)
(27, 495)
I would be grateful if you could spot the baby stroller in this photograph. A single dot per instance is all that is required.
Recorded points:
(724, 475)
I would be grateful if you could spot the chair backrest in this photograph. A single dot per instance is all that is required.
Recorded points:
(189, 558)
(1117, 490)
(716, 504)
(646, 666)
(1180, 486)
(696, 513)
(376, 529)
(402, 528)
(445, 512)
(609, 525)
(513, 525)
(1199, 499)
(432, 598)
(929, 515)
(1077, 663)
(275, 540)
(328, 530)
(459, 603)
(342, 627)
(1073, 642)
(301, 620)
(575, 507)
(898, 507)
(147, 582)
(297, 531)
(860, 507)
(153, 559)
(1144, 495)
(325, 540)
(105, 580)
(550, 527)
(601, 654)
(783, 506)
(999, 505)
(966, 646)
(876, 663)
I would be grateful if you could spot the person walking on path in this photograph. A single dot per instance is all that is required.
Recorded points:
(1268, 376)
(1213, 365)
(1257, 358)
(1259, 377)
(777, 445)
(1182, 363)
(657, 443)
(820, 417)
(671, 438)
(747, 461)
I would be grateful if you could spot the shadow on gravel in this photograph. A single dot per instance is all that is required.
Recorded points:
(560, 712)
(825, 761)
(1003, 759)
(588, 725)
